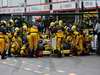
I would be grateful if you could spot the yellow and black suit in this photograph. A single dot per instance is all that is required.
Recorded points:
(24, 49)
(74, 42)
(33, 39)
(3, 44)
(16, 45)
(80, 44)
(59, 38)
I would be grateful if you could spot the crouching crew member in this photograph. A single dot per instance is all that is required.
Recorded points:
(59, 37)
(16, 43)
(24, 49)
(3, 43)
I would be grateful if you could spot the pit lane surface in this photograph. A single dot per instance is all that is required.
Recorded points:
(81, 65)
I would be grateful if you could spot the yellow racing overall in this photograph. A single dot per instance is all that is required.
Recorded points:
(3, 44)
(33, 38)
(16, 45)
(59, 37)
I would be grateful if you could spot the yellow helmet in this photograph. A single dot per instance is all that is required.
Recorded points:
(11, 20)
(73, 28)
(60, 22)
(65, 27)
(17, 29)
(52, 24)
(3, 22)
(25, 27)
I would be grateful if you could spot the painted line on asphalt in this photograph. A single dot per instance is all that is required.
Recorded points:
(61, 71)
(4, 62)
(38, 72)
(27, 69)
(39, 65)
(8, 64)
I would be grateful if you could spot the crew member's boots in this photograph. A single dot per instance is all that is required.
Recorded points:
(3, 55)
(9, 53)
(31, 51)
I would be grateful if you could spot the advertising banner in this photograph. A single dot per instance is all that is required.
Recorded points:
(89, 3)
(56, 6)
(12, 10)
(16, 2)
(32, 2)
(68, 5)
(37, 8)
(64, 5)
